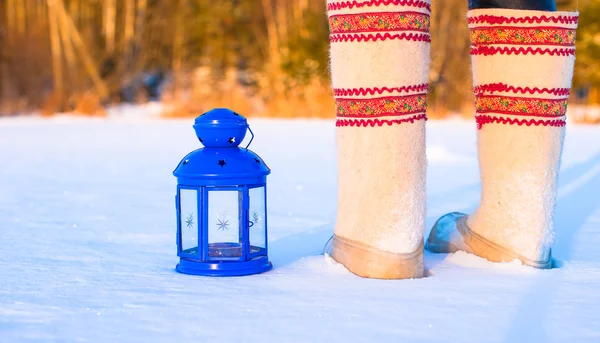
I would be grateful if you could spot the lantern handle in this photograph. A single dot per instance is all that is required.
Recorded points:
(251, 139)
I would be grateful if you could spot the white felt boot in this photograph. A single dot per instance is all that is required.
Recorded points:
(379, 68)
(522, 71)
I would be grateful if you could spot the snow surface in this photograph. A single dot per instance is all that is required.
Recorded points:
(87, 247)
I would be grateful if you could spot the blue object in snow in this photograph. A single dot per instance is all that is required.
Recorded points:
(221, 201)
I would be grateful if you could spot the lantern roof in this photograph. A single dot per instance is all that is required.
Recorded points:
(221, 163)
(221, 131)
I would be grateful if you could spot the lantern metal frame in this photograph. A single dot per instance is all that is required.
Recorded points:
(204, 179)
(202, 263)
(244, 220)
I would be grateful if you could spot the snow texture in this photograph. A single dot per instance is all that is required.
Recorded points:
(87, 250)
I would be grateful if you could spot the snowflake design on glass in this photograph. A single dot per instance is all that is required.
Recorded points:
(255, 217)
(189, 222)
(223, 224)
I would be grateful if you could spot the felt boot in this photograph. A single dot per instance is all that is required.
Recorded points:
(379, 52)
(522, 70)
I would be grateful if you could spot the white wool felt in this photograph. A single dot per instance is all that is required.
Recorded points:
(389, 63)
(519, 164)
(534, 70)
(381, 169)
(381, 196)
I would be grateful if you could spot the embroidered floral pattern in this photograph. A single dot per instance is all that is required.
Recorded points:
(521, 106)
(377, 22)
(379, 107)
(523, 35)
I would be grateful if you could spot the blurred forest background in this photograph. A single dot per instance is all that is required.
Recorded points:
(259, 57)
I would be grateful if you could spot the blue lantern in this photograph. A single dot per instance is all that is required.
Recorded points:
(222, 201)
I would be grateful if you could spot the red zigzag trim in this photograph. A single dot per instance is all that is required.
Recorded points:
(377, 122)
(488, 50)
(482, 120)
(351, 4)
(367, 37)
(371, 91)
(492, 19)
(500, 87)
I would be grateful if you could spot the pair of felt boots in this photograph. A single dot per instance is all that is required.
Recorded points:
(522, 63)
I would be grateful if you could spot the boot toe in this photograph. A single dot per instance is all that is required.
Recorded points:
(445, 237)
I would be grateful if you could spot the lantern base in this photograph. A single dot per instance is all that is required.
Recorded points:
(224, 268)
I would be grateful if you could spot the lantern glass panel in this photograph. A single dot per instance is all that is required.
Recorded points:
(188, 204)
(224, 231)
(257, 224)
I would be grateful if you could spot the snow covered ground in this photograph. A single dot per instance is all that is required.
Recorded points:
(87, 245)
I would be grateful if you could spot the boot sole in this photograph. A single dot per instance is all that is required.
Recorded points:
(491, 251)
(369, 262)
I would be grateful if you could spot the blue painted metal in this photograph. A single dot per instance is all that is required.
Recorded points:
(181, 252)
(221, 166)
(231, 268)
(220, 128)
(244, 217)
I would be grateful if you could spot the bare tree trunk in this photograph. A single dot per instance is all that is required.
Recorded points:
(20, 16)
(139, 25)
(128, 29)
(10, 15)
(88, 62)
(441, 23)
(260, 39)
(129, 20)
(56, 54)
(299, 9)
(74, 8)
(274, 68)
(178, 40)
(27, 13)
(449, 72)
(86, 12)
(41, 10)
(282, 22)
(271, 32)
(68, 47)
(110, 20)
(3, 57)
(141, 16)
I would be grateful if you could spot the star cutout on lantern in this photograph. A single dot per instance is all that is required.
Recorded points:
(222, 224)
(189, 222)
(231, 140)
(222, 163)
